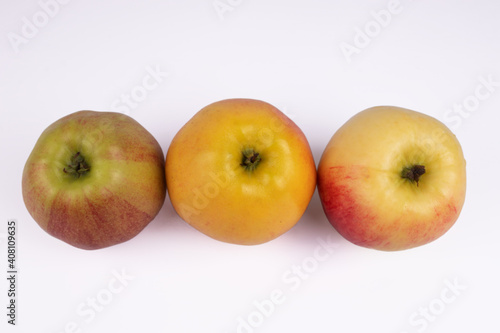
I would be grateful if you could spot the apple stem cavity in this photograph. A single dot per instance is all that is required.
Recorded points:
(413, 173)
(250, 159)
(78, 166)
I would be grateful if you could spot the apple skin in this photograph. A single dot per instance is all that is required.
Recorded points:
(362, 190)
(121, 193)
(213, 191)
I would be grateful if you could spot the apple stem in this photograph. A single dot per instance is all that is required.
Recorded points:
(78, 166)
(250, 159)
(413, 173)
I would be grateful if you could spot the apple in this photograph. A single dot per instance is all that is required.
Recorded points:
(240, 171)
(94, 179)
(392, 179)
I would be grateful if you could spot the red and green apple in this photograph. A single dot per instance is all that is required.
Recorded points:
(94, 179)
(392, 179)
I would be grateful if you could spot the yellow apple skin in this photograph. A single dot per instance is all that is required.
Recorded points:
(362, 190)
(212, 191)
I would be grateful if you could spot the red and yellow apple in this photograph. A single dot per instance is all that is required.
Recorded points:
(392, 179)
(94, 179)
(240, 171)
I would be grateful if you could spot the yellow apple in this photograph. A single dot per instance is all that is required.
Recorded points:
(392, 179)
(240, 171)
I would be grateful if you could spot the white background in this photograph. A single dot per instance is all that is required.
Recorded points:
(428, 56)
